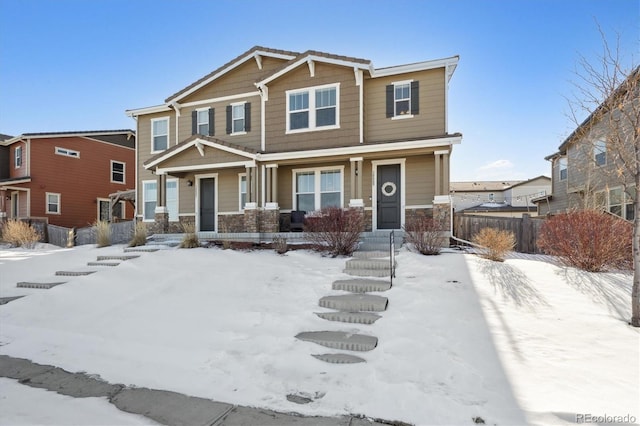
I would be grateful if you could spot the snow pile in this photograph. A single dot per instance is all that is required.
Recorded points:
(514, 342)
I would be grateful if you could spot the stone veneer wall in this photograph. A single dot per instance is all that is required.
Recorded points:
(231, 223)
(442, 213)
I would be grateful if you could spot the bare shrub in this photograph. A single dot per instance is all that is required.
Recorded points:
(190, 238)
(20, 234)
(589, 240)
(335, 230)
(280, 245)
(139, 235)
(424, 234)
(495, 243)
(103, 233)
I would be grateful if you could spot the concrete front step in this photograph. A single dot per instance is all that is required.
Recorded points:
(372, 273)
(355, 303)
(340, 340)
(103, 263)
(5, 300)
(361, 285)
(339, 358)
(76, 272)
(118, 257)
(371, 254)
(374, 264)
(372, 246)
(46, 285)
(350, 317)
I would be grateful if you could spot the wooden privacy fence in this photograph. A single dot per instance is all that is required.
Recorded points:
(525, 229)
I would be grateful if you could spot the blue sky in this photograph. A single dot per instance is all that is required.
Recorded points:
(79, 64)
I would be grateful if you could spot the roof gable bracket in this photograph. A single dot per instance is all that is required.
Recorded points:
(258, 59)
(200, 148)
(312, 67)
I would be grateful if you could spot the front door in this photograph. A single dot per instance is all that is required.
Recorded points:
(388, 193)
(207, 204)
(15, 205)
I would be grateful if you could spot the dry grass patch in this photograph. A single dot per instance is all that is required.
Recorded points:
(20, 234)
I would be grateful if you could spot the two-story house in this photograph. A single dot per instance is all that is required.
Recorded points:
(588, 170)
(274, 131)
(67, 177)
(499, 198)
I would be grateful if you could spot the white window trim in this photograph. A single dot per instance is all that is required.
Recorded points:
(124, 172)
(240, 176)
(596, 151)
(16, 157)
(316, 190)
(312, 108)
(560, 168)
(198, 123)
(403, 116)
(177, 181)
(66, 152)
(144, 201)
(153, 120)
(244, 119)
(58, 203)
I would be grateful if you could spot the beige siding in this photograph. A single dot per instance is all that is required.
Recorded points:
(420, 180)
(430, 121)
(228, 190)
(239, 80)
(276, 112)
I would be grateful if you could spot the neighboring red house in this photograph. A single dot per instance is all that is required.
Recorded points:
(66, 177)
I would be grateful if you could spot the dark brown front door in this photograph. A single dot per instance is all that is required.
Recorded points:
(388, 181)
(208, 204)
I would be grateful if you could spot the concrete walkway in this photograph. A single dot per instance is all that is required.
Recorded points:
(165, 407)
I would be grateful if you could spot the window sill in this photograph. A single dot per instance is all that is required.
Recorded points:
(119, 183)
(314, 129)
(402, 117)
(237, 133)
(54, 213)
(158, 152)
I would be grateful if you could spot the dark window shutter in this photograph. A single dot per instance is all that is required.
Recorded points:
(247, 116)
(229, 129)
(415, 98)
(194, 122)
(390, 112)
(212, 121)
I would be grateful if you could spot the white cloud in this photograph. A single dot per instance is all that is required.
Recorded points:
(497, 165)
(498, 170)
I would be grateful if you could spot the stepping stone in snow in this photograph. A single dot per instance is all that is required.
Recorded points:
(361, 285)
(5, 300)
(340, 340)
(355, 302)
(351, 317)
(103, 263)
(339, 358)
(75, 273)
(46, 285)
(118, 257)
(143, 249)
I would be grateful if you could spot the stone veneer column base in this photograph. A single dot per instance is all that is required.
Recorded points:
(269, 220)
(160, 224)
(251, 216)
(442, 212)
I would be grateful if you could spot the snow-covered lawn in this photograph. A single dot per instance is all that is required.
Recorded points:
(516, 342)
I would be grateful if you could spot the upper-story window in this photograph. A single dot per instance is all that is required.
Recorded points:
(600, 153)
(67, 152)
(117, 172)
(238, 118)
(159, 134)
(562, 168)
(313, 108)
(17, 157)
(403, 99)
(202, 121)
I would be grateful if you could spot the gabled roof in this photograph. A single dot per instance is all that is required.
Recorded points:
(4, 137)
(531, 180)
(592, 118)
(123, 137)
(249, 54)
(482, 186)
(196, 140)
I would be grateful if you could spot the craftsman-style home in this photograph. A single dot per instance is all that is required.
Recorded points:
(274, 132)
(67, 178)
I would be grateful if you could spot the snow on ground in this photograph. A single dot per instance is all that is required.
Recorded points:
(515, 342)
(23, 405)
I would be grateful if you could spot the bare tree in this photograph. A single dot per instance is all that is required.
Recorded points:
(609, 95)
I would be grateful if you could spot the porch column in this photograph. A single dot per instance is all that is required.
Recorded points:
(437, 189)
(271, 195)
(356, 182)
(161, 216)
(251, 213)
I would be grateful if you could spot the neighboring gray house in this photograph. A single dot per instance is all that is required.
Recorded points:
(499, 198)
(586, 171)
